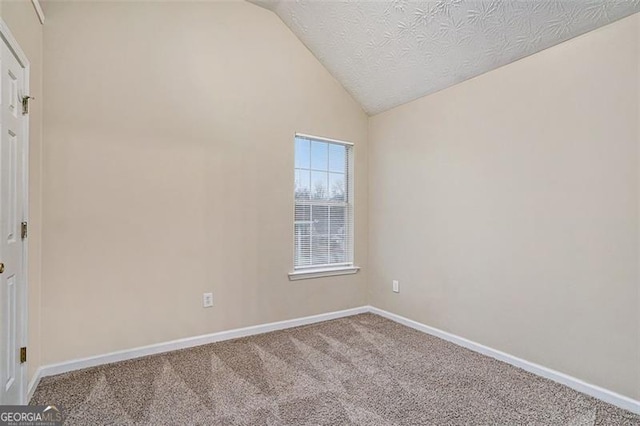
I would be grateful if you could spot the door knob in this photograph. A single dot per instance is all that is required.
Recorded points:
(1, 267)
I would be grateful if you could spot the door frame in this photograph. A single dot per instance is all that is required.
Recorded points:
(8, 38)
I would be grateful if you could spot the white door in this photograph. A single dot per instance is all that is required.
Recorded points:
(12, 214)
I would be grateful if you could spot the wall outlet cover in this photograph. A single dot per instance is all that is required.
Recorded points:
(207, 300)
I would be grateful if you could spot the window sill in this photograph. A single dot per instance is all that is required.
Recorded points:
(306, 274)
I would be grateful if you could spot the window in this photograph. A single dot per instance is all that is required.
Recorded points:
(323, 224)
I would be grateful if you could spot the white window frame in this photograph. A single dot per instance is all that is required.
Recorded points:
(344, 268)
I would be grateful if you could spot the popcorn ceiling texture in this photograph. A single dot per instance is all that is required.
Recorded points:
(360, 370)
(387, 53)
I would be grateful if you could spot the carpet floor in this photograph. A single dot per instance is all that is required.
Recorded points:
(359, 370)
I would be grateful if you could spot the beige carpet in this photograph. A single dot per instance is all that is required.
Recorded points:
(360, 370)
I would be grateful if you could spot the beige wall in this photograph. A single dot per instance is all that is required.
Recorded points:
(508, 208)
(23, 23)
(169, 172)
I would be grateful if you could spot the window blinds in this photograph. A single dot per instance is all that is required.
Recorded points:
(323, 203)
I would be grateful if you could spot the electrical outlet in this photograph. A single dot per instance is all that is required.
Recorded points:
(396, 286)
(207, 300)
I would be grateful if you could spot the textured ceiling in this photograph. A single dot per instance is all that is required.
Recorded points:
(388, 52)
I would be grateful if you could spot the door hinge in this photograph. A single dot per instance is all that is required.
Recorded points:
(25, 104)
(23, 230)
(23, 355)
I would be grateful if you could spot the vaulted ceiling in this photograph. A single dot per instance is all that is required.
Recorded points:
(388, 52)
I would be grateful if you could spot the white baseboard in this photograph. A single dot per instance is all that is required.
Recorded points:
(572, 382)
(189, 342)
(33, 384)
